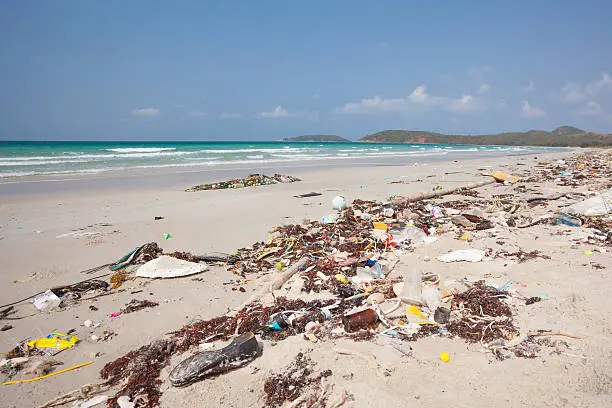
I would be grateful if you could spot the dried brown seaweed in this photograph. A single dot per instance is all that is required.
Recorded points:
(137, 372)
(522, 256)
(293, 382)
(185, 256)
(135, 305)
(480, 315)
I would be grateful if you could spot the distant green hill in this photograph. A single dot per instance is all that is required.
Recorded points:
(562, 136)
(316, 138)
(567, 130)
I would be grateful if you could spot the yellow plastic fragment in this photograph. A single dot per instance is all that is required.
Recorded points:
(57, 341)
(502, 176)
(380, 226)
(415, 311)
(341, 278)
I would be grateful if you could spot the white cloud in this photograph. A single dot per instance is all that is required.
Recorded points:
(226, 115)
(197, 114)
(371, 104)
(592, 108)
(278, 112)
(593, 88)
(529, 111)
(528, 88)
(483, 89)
(465, 103)
(145, 112)
(574, 92)
(418, 99)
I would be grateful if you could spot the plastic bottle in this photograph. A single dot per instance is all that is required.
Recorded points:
(414, 234)
(431, 297)
(412, 290)
(339, 203)
(566, 219)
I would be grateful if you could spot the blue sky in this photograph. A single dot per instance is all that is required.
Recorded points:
(260, 70)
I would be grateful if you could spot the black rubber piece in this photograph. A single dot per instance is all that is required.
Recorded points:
(239, 352)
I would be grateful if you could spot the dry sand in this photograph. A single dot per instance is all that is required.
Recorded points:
(34, 259)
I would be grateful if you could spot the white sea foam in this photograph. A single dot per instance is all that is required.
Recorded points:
(38, 163)
(67, 159)
(85, 160)
(262, 150)
(140, 149)
(44, 173)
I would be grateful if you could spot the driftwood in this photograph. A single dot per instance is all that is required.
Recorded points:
(82, 393)
(85, 392)
(440, 193)
(548, 198)
(286, 275)
(536, 222)
(217, 257)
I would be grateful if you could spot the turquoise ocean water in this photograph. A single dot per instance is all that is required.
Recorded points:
(40, 158)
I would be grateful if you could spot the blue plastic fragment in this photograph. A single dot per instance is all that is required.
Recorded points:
(275, 326)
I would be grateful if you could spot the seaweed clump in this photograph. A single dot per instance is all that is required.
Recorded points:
(481, 316)
(293, 382)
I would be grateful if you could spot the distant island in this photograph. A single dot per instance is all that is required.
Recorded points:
(316, 138)
(561, 136)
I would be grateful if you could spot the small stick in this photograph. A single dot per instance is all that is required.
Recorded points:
(285, 276)
(440, 193)
(238, 323)
(552, 333)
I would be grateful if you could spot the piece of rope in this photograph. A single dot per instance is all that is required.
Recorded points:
(48, 375)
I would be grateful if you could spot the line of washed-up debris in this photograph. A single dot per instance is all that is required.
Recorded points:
(347, 262)
(249, 181)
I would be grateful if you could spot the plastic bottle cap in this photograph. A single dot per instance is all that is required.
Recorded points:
(445, 357)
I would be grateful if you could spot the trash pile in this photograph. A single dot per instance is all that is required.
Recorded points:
(350, 243)
(63, 296)
(350, 254)
(249, 181)
(137, 373)
(593, 170)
